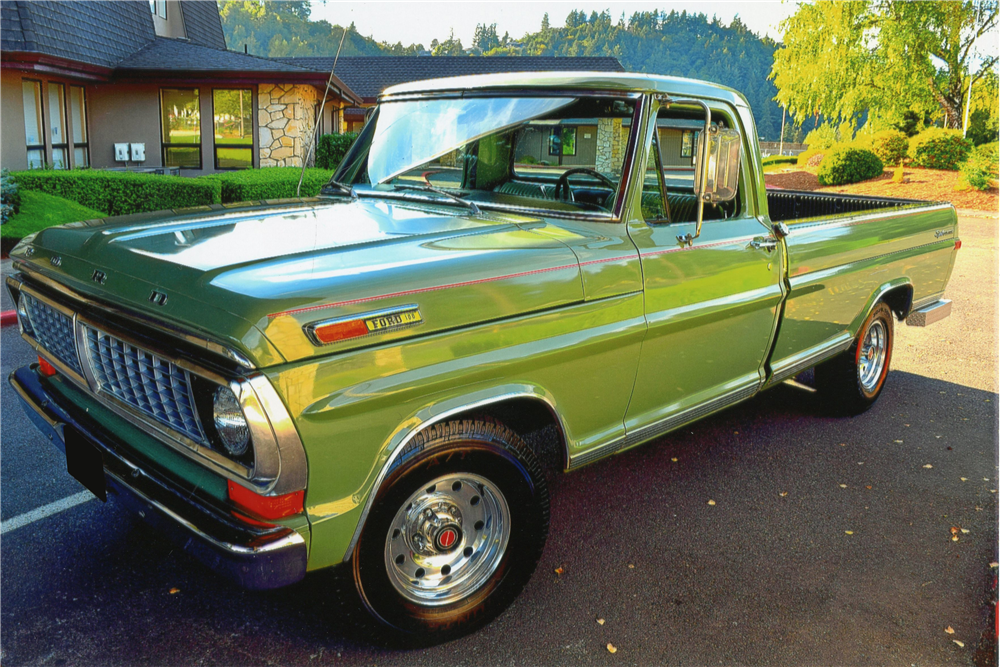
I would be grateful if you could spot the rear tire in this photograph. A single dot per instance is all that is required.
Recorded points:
(454, 533)
(852, 381)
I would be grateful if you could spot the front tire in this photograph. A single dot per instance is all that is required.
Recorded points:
(454, 533)
(853, 380)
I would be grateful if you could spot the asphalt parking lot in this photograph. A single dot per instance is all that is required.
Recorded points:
(830, 541)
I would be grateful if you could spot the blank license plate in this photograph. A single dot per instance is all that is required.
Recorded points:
(85, 463)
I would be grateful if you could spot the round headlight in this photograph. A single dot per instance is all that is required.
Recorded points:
(230, 423)
(22, 314)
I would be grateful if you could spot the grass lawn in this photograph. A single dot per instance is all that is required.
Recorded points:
(38, 211)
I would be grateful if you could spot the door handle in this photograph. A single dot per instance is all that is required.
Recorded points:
(766, 244)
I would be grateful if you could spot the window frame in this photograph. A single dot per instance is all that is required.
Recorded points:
(166, 145)
(64, 145)
(41, 129)
(84, 123)
(216, 145)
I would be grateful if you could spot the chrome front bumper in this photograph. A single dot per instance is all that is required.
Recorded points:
(254, 557)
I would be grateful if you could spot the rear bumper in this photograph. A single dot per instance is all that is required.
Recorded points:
(929, 314)
(254, 557)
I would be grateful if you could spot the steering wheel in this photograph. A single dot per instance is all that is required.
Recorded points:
(563, 182)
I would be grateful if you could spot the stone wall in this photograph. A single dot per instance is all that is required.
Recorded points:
(612, 139)
(285, 114)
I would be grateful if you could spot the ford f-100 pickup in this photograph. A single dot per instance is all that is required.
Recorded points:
(289, 385)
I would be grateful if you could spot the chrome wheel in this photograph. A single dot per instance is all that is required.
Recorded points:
(447, 539)
(871, 356)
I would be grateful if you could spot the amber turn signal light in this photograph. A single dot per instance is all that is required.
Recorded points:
(45, 368)
(267, 507)
(331, 333)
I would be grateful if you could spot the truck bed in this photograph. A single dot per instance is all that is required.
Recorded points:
(788, 205)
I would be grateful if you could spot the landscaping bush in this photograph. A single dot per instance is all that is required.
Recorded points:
(890, 146)
(848, 164)
(332, 148)
(980, 170)
(268, 183)
(779, 159)
(121, 193)
(937, 148)
(822, 137)
(806, 158)
(10, 196)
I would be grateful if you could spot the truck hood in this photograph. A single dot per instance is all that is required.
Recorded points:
(254, 277)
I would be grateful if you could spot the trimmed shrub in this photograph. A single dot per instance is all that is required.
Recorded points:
(937, 148)
(822, 137)
(805, 158)
(10, 196)
(847, 164)
(779, 159)
(332, 148)
(268, 183)
(980, 170)
(121, 193)
(890, 146)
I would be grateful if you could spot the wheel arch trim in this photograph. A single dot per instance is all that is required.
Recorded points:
(439, 412)
(878, 295)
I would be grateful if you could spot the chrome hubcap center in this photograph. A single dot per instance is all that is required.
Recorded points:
(871, 361)
(447, 539)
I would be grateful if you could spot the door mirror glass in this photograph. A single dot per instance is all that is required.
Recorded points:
(718, 164)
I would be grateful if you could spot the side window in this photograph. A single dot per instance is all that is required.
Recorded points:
(668, 192)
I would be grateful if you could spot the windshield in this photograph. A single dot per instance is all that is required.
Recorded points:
(560, 153)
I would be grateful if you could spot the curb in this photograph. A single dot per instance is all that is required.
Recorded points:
(8, 317)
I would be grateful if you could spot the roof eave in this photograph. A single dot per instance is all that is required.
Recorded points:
(31, 61)
(136, 75)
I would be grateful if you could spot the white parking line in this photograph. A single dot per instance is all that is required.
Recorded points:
(45, 511)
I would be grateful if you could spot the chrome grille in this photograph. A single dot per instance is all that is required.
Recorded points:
(53, 330)
(146, 382)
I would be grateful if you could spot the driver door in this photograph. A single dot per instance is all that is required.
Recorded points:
(712, 306)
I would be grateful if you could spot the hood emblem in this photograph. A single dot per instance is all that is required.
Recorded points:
(326, 332)
(158, 298)
(99, 277)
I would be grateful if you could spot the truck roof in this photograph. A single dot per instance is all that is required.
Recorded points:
(612, 81)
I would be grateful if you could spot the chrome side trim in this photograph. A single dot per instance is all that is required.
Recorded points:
(447, 414)
(839, 220)
(795, 364)
(146, 320)
(928, 315)
(663, 426)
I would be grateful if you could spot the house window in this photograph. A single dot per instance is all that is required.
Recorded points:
(78, 114)
(562, 141)
(57, 126)
(180, 119)
(158, 7)
(34, 128)
(688, 139)
(232, 114)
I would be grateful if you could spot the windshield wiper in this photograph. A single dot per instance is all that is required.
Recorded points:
(344, 189)
(429, 188)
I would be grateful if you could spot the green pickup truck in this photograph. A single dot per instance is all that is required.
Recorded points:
(290, 385)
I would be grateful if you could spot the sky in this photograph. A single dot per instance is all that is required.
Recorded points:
(420, 22)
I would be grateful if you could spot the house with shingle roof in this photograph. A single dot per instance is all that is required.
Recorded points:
(79, 78)
(368, 76)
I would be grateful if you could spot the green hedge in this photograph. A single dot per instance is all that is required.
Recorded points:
(121, 193)
(980, 170)
(937, 148)
(890, 146)
(779, 159)
(847, 164)
(10, 196)
(268, 183)
(332, 148)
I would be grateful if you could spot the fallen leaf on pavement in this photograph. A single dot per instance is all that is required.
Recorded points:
(849, 532)
(674, 460)
(711, 502)
(960, 644)
(843, 486)
(898, 442)
(949, 630)
(783, 494)
(559, 570)
(631, 566)
(600, 621)
(843, 444)
(994, 565)
(611, 648)
(965, 530)
(954, 530)
(868, 487)
(175, 591)
(928, 466)
(964, 479)
(954, 538)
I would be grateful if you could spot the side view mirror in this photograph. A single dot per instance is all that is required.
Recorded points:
(718, 164)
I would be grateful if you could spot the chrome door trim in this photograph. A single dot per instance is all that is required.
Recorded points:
(793, 365)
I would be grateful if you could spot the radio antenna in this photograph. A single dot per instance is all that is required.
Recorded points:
(319, 116)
